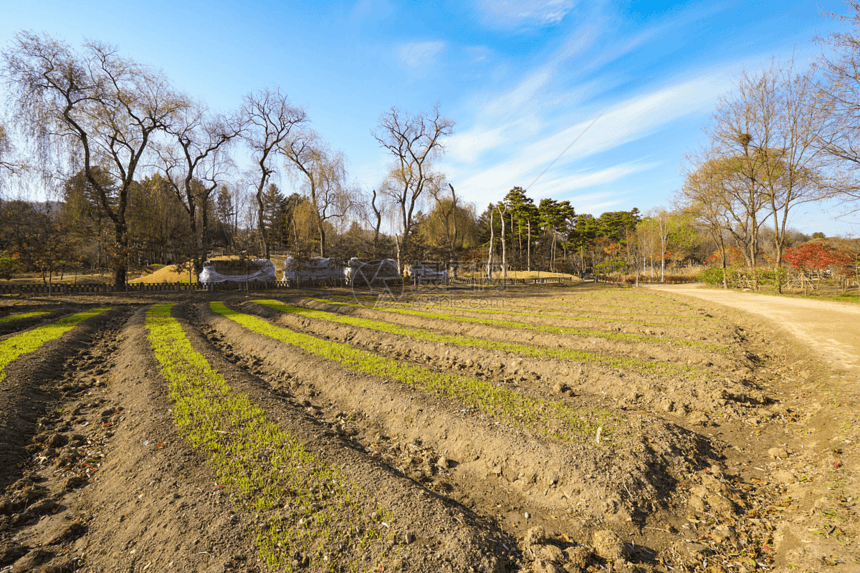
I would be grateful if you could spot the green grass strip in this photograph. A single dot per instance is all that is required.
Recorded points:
(548, 417)
(524, 349)
(614, 320)
(311, 508)
(30, 341)
(538, 328)
(12, 317)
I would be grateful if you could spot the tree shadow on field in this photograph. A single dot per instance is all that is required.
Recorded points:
(664, 461)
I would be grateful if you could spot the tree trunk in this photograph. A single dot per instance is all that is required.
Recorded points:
(504, 251)
(204, 242)
(121, 261)
(490, 253)
(399, 246)
(260, 225)
(529, 244)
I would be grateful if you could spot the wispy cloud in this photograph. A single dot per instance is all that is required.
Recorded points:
(515, 13)
(563, 186)
(418, 57)
(477, 54)
(370, 9)
(519, 163)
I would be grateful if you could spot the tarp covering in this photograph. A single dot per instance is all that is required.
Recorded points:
(426, 273)
(316, 268)
(362, 272)
(235, 271)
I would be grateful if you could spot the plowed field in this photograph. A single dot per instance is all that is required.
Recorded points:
(536, 429)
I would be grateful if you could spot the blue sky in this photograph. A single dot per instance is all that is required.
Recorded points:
(521, 80)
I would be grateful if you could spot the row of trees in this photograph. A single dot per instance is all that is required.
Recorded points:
(121, 143)
(521, 235)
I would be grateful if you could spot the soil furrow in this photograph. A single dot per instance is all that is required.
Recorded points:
(726, 362)
(580, 384)
(565, 477)
(421, 518)
(539, 315)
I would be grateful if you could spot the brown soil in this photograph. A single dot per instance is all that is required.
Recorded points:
(751, 466)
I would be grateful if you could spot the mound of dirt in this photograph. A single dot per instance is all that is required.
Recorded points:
(167, 274)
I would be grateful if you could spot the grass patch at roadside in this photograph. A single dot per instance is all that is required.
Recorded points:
(16, 346)
(523, 349)
(551, 418)
(22, 315)
(624, 336)
(314, 515)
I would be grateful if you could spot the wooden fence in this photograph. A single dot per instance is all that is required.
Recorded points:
(60, 289)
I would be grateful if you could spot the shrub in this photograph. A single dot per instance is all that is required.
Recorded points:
(712, 276)
(9, 265)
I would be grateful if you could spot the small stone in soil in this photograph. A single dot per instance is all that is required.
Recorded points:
(607, 544)
(777, 453)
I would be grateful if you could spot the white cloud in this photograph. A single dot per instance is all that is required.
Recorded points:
(562, 186)
(518, 157)
(525, 93)
(477, 54)
(417, 57)
(525, 12)
(370, 10)
(631, 119)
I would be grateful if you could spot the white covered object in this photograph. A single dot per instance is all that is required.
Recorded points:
(426, 273)
(257, 270)
(368, 272)
(317, 268)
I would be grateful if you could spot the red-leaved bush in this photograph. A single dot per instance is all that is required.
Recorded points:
(816, 256)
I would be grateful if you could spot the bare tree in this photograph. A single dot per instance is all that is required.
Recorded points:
(702, 197)
(378, 208)
(269, 119)
(324, 172)
(6, 164)
(197, 164)
(414, 142)
(91, 109)
(447, 208)
(770, 134)
(842, 89)
(502, 208)
(737, 169)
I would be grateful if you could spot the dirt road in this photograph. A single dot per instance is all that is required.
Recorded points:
(824, 465)
(831, 329)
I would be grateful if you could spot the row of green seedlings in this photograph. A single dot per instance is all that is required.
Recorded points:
(551, 418)
(512, 308)
(484, 344)
(30, 341)
(623, 336)
(23, 315)
(314, 515)
(595, 306)
(606, 297)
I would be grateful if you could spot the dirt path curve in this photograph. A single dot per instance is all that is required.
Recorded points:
(831, 329)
